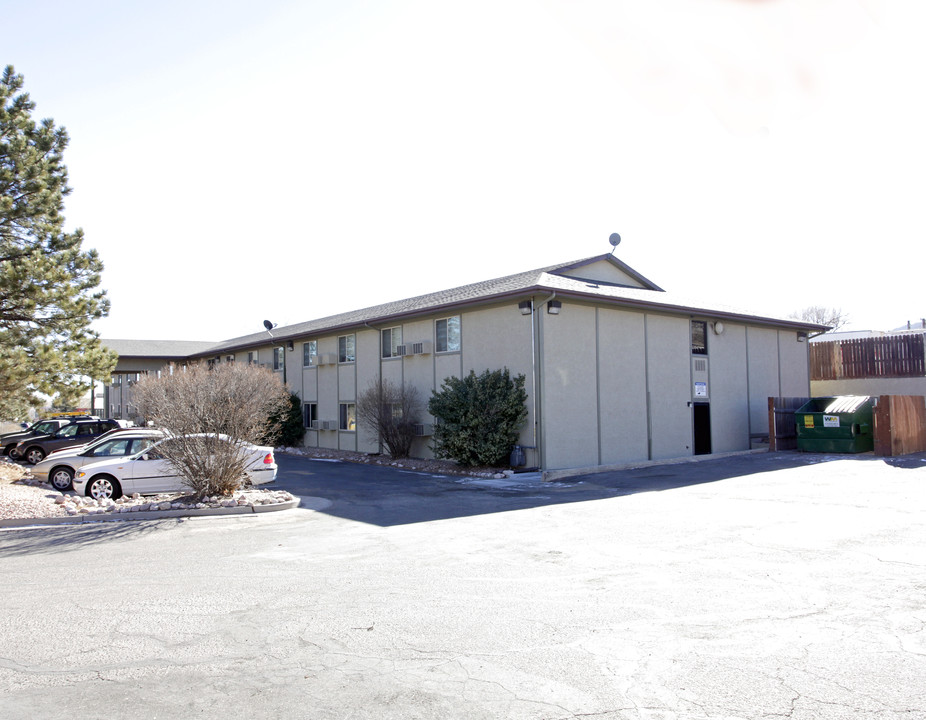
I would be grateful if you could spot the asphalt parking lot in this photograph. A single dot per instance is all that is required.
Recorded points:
(776, 585)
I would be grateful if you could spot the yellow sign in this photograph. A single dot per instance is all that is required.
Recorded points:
(808, 421)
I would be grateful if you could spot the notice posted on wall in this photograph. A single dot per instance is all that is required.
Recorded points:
(700, 389)
(830, 421)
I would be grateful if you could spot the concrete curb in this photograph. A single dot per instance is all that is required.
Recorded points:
(150, 515)
(551, 475)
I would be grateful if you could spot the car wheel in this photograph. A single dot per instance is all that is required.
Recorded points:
(61, 478)
(35, 455)
(104, 486)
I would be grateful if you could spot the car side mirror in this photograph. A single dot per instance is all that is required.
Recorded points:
(145, 456)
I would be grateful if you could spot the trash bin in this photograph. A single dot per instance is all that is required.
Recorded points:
(843, 424)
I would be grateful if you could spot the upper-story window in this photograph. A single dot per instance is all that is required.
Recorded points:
(448, 334)
(392, 338)
(278, 358)
(698, 337)
(346, 349)
(309, 353)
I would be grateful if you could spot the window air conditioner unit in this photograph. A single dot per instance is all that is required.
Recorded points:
(314, 425)
(401, 350)
(328, 359)
(329, 425)
(424, 430)
(421, 348)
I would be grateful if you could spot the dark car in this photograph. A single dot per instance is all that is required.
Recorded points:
(79, 432)
(8, 441)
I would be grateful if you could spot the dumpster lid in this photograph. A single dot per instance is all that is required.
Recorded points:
(847, 403)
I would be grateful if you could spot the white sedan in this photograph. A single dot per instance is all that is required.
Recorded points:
(60, 466)
(147, 473)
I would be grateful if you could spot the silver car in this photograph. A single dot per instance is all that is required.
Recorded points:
(60, 467)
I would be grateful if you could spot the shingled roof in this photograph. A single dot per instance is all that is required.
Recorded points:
(543, 280)
(167, 349)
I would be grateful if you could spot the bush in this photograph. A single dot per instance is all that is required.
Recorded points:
(286, 428)
(232, 399)
(478, 417)
(389, 413)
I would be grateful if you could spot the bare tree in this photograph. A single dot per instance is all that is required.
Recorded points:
(835, 318)
(211, 412)
(389, 412)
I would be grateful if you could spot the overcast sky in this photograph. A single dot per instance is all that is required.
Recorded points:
(234, 161)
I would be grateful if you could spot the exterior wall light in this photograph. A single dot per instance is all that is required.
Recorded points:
(802, 337)
(554, 306)
(289, 346)
(525, 307)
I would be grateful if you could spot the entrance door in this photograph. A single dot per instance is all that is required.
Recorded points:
(702, 428)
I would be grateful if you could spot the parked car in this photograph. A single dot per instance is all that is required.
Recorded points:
(42, 427)
(149, 473)
(59, 467)
(78, 432)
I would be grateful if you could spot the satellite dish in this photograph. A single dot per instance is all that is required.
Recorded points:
(268, 325)
(615, 239)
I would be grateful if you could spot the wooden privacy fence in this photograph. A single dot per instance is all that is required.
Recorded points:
(877, 357)
(900, 424)
(782, 432)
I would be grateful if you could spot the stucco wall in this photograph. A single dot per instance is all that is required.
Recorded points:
(569, 398)
(668, 354)
(622, 386)
(728, 388)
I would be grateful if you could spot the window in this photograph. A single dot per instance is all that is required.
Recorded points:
(117, 448)
(698, 337)
(278, 358)
(67, 431)
(448, 334)
(310, 414)
(229, 358)
(392, 338)
(346, 353)
(348, 416)
(252, 358)
(309, 354)
(392, 410)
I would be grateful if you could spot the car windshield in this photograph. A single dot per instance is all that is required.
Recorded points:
(44, 428)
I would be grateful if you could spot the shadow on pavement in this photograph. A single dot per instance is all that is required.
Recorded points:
(66, 538)
(386, 497)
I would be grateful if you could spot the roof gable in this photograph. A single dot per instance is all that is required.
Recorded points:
(606, 270)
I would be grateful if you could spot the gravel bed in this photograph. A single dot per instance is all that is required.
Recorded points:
(433, 467)
(22, 496)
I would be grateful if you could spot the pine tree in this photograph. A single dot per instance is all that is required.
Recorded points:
(49, 285)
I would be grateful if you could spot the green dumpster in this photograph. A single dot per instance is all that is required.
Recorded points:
(842, 424)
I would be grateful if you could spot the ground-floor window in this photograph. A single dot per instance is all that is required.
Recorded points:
(310, 414)
(348, 416)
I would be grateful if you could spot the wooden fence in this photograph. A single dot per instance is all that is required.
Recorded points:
(782, 432)
(900, 425)
(892, 356)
